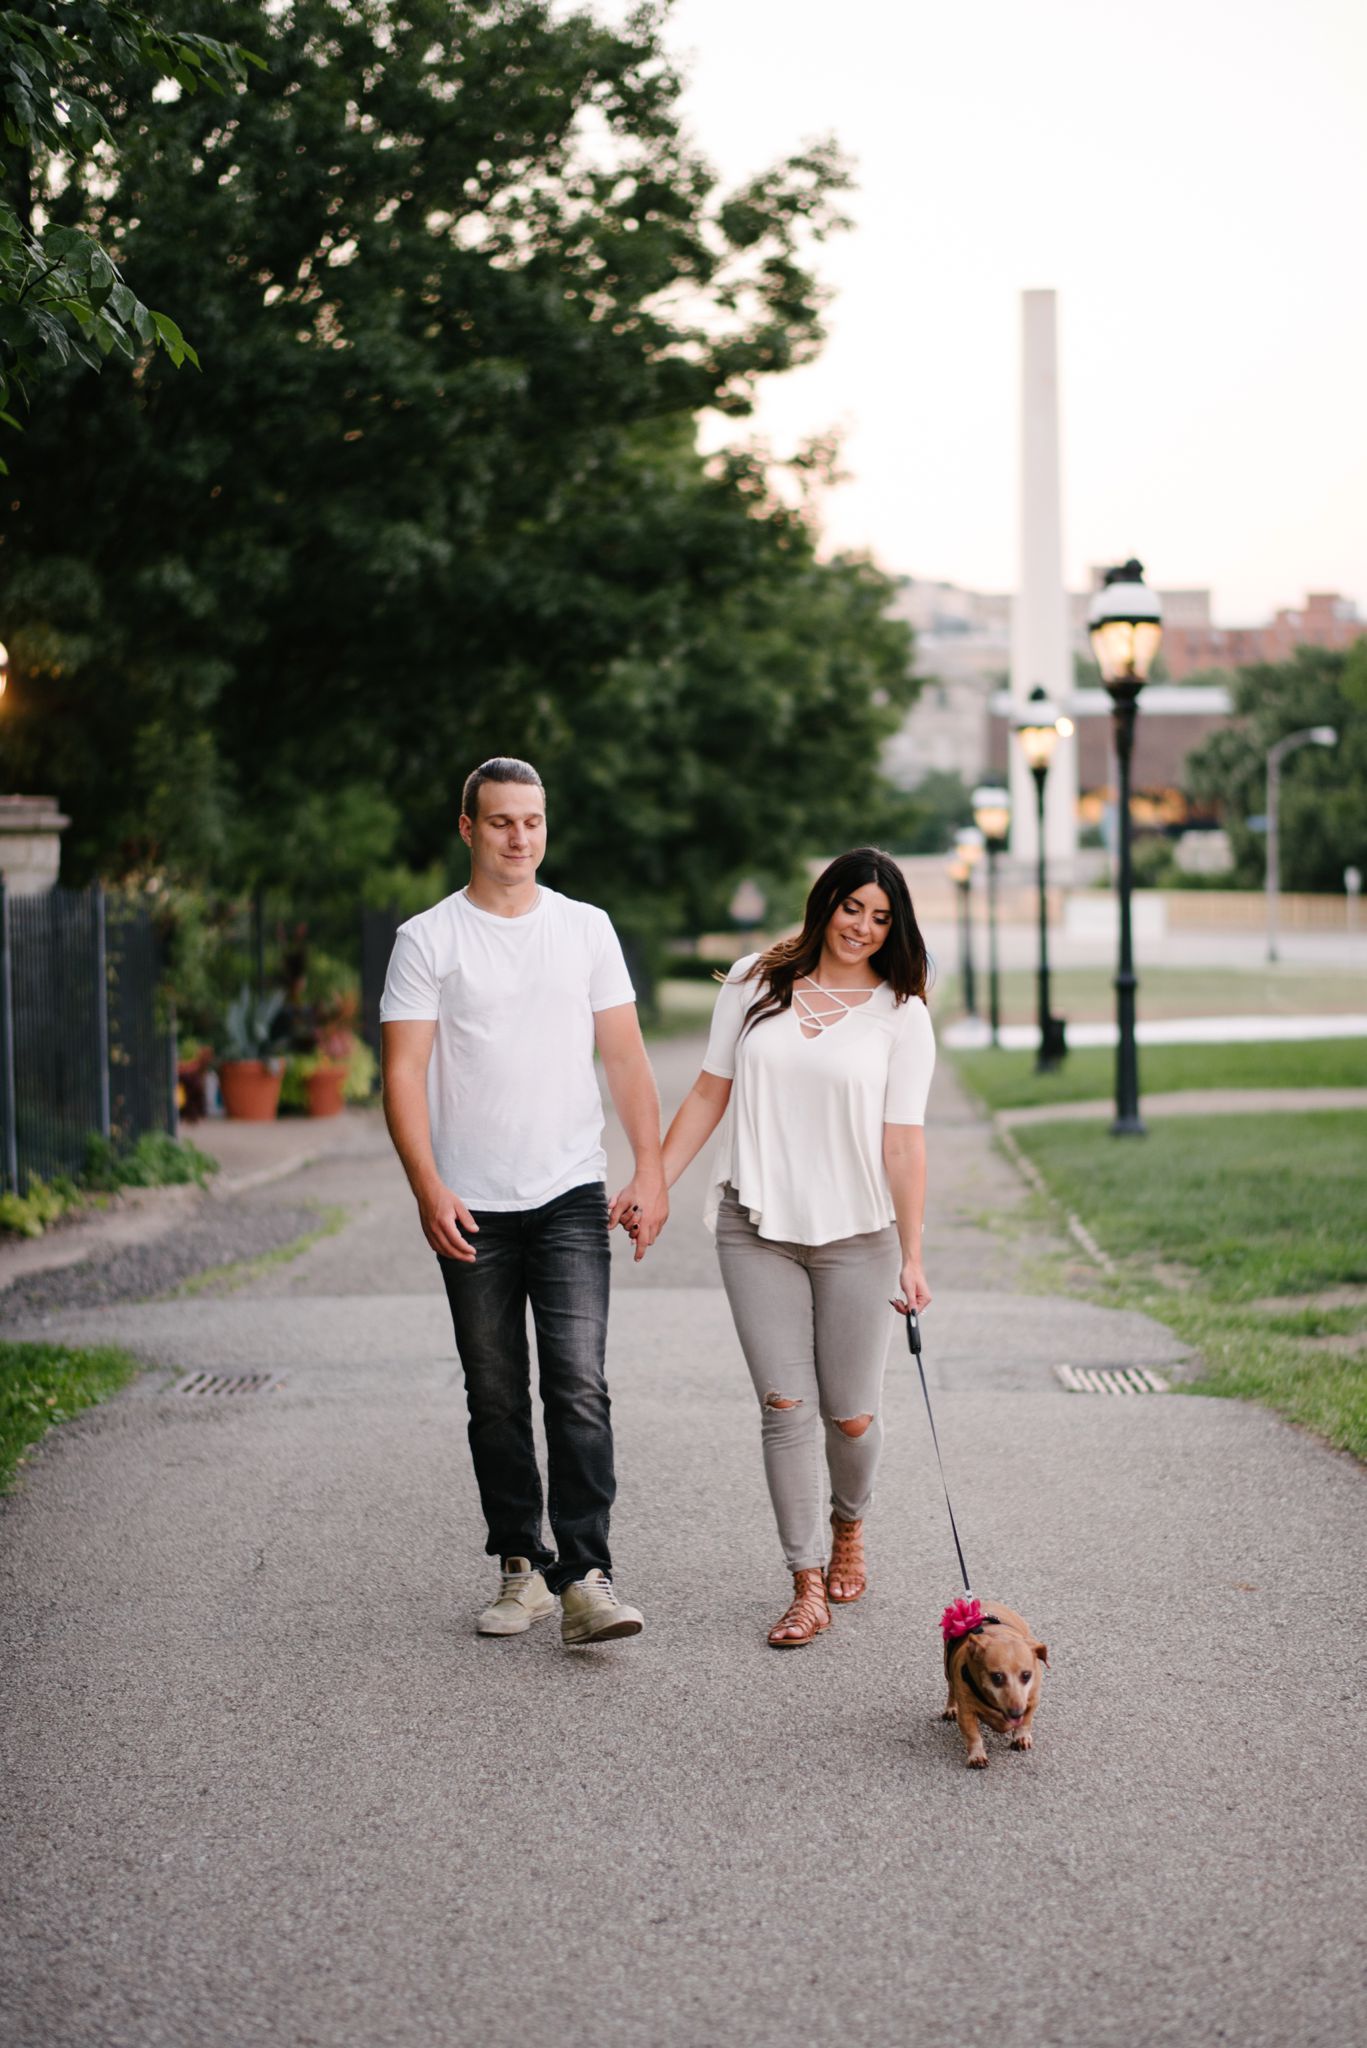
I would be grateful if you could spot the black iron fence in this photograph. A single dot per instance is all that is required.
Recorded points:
(82, 1049)
(378, 928)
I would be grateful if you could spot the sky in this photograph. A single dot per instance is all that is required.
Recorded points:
(1190, 176)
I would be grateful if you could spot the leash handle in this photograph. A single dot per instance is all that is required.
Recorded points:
(914, 1346)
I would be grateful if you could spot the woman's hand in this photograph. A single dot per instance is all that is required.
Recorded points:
(915, 1294)
(642, 1209)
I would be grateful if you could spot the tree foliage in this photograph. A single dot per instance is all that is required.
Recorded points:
(1323, 806)
(64, 68)
(463, 288)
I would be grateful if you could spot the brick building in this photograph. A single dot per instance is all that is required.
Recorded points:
(1324, 620)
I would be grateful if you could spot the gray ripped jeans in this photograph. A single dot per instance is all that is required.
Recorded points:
(814, 1324)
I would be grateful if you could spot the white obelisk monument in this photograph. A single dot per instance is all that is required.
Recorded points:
(1040, 651)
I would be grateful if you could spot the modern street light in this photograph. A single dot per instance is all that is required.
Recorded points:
(992, 816)
(1125, 620)
(1312, 736)
(968, 844)
(1039, 728)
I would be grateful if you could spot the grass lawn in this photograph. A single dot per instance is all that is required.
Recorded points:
(1087, 994)
(1007, 1080)
(219, 1280)
(684, 1005)
(41, 1384)
(1211, 1220)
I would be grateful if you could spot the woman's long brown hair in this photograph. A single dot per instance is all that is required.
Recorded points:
(900, 961)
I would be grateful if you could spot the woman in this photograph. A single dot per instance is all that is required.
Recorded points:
(822, 1049)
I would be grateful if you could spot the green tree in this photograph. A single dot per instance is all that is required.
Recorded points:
(1323, 807)
(923, 819)
(64, 68)
(464, 289)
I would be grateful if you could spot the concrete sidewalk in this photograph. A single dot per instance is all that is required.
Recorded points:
(249, 1156)
(1193, 1102)
(261, 1784)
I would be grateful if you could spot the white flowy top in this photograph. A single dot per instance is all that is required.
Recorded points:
(802, 1138)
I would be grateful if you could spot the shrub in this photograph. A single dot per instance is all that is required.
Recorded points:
(29, 1215)
(154, 1161)
(362, 1073)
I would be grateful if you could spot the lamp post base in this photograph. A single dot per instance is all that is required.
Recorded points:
(1129, 1127)
(1053, 1046)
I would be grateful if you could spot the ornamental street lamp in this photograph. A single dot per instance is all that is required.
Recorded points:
(968, 846)
(992, 815)
(959, 872)
(1312, 736)
(1039, 728)
(1125, 621)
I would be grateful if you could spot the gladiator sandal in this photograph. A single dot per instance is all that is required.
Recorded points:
(847, 1567)
(807, 1616)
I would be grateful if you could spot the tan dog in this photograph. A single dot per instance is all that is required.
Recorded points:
(994, 1676)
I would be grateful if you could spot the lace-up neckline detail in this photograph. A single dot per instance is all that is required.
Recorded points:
(814, 1021)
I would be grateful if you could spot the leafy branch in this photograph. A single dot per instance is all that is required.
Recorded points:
(63, 299)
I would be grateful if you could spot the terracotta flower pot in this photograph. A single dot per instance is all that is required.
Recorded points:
(251, 1089)
(325, 1087)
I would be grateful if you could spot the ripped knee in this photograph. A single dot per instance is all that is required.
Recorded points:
(855, 1426)
(773, 1400)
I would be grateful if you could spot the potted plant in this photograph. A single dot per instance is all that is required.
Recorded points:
(250, 1064)
(324, 1072)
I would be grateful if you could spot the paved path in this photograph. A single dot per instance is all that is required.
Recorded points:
(971, 1033)
(1194, 1102)
(261, 1785)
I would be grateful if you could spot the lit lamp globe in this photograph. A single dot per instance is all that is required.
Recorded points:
(4, 667)
(992, 814)
(1125, 621)
(1039, 726)
(968, 842)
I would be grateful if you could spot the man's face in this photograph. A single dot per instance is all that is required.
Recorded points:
(507, 839)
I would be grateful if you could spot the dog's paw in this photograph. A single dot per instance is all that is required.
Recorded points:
(976, 1759)
(1025, 1740)
(948, 1713)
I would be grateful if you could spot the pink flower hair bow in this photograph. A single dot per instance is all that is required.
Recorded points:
(960, 1618)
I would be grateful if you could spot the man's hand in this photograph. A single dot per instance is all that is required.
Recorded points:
(642, 1209)
(444, 1217)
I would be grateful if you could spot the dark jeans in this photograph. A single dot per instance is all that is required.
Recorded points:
(557, 1258)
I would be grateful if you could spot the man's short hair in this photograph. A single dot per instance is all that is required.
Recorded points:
(502, 768)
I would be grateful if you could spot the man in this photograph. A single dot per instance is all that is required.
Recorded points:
(493, 1004)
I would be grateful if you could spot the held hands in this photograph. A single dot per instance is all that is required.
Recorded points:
(642, 1209)
(444, 1218)
(915, 1294)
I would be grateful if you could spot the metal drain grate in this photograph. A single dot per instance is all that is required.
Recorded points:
(1111, 1379)
(224, 1383)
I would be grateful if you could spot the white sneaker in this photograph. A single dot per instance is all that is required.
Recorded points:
(592, 1613)
(523, 1597)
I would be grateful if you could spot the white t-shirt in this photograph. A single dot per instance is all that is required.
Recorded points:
(516, 1115)
(802, 1139)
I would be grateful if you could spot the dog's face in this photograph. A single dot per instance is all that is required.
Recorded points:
(1006, 1670)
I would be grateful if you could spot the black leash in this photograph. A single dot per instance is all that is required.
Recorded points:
(914, 1346)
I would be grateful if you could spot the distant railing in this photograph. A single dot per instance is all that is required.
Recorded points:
(81, 1047)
